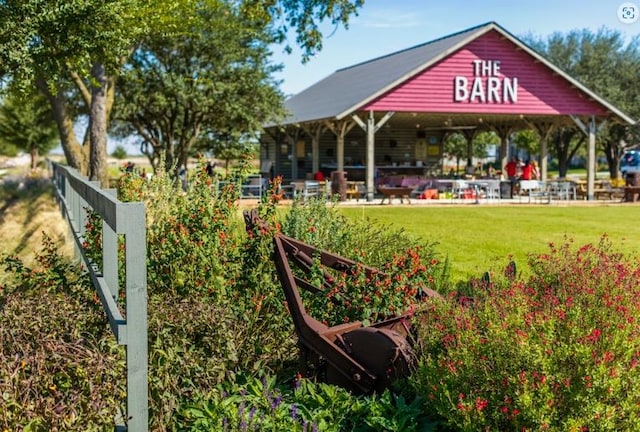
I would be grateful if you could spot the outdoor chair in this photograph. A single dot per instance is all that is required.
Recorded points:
(533, 189)
(311, 190)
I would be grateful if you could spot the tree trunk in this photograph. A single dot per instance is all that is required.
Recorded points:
(562, 142)
(33, 153)
(98, 126)
(70, 145)
(614, 148)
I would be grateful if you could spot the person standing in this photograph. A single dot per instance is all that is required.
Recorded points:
(527, 170)
(535, 170)
(511, 169)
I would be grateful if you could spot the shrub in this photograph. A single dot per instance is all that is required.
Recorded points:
(194, 346)
(193, 237)
(60, 366)
(119, 152)
(212, 311)
(558, 351)
(262, 405)
(404, 265)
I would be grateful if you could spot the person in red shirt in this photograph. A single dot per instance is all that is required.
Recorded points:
(511, 168)
(318, 176)
(527, 171)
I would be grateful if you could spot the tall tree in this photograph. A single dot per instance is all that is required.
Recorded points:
(26, 123)
(566, 143)
(610, 66)
(204, 89)
(72, 51)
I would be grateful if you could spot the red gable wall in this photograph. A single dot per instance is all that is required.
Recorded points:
(539, 89)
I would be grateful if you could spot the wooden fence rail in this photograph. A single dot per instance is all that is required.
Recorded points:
(77, 197)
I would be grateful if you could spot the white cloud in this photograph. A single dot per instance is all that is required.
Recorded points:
(390, 19)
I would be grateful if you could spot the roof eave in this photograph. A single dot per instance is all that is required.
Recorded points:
(479, 32)
(444, 54)
(570, 79)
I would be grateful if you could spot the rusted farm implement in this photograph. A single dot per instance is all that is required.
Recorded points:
(361, 359)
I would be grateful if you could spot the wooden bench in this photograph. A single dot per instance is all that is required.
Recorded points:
(353, 190)
(389, 193)
(631, 193)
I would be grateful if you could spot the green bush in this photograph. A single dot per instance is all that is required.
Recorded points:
(119, 152)
(193, 236)
(404, 267)
(214, 307)
(264, 405)
(557, 352)
(60, 366)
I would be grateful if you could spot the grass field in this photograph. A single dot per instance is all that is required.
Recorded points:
(477, 239)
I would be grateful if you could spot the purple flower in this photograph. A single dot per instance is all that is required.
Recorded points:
(275, 403)
(294, 411)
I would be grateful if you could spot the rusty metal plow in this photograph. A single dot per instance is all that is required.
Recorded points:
(358, 358)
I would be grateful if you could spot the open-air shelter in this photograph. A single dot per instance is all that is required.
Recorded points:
(391, 114)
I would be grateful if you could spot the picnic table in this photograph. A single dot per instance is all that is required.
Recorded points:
(390, 192)
(631, 193)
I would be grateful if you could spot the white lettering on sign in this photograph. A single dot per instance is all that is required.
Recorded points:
(487, 86)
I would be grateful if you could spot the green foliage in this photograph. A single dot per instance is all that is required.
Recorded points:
(119, 152)
(262, 405)
(405, 266)
(42, 39)
(455, 145)
(213, 310)
(205, 87)
(26, 123)
(558, 351)
(60, 367)
(183, 230)
(196, 344)
(303, 18)
(527, 139)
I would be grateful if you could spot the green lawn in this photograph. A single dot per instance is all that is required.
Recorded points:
(479, 238)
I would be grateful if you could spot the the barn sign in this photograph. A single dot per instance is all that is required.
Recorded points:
(486, 86)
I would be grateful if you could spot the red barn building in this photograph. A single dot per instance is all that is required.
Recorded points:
(390, 114)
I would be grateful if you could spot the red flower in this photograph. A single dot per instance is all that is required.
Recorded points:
(481, 404)
(594, 335)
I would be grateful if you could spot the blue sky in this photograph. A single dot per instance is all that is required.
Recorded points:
(386, 26)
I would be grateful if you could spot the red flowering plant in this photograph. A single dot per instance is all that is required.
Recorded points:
(193, 235)
(92, 243)
(405, 265)
(558, 351)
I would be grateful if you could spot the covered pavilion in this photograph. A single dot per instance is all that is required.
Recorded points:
(391, 114)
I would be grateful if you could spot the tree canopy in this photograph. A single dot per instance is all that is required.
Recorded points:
(607, 64)
(201, 89)
(26, 124)
(73, 51)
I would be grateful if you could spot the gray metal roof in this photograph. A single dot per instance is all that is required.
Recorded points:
(336, 95)
(344, 91)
